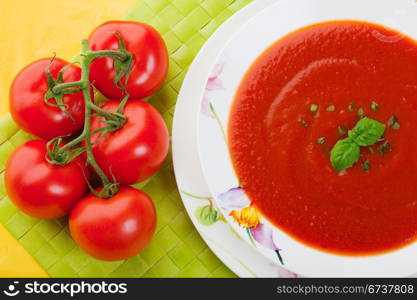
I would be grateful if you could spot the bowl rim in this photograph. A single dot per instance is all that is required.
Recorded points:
(282, 18)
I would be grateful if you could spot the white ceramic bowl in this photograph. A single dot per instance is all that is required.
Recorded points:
(238, 55)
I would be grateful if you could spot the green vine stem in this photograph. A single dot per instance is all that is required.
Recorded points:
(219, 122)
(63, 87)
(197, 197)
(61, 155)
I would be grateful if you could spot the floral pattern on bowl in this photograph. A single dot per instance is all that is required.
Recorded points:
(214, 83)
(284, 17)
(235, 204)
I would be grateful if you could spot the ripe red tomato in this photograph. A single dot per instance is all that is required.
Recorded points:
(41, 189)
(150, 58)
(27, 104)
(115, 228)
(138, 149)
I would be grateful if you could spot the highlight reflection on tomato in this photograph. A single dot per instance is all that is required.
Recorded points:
(54, 100)
(39, 188)
(137, 150)
(116, 228)
(27, 100)
(150, 58)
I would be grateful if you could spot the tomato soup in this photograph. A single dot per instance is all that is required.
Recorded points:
(296, 101)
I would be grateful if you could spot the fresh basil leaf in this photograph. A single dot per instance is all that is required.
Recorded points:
(344, 154)
(367, 132)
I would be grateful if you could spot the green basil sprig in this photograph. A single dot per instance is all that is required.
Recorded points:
(346, 152)
(366, 132)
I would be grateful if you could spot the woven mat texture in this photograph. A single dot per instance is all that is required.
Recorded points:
(177, 249)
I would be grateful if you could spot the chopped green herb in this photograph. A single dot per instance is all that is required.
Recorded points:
(321, 140)
(393, 123)
(352, 107)
(314, 108)
(361, 112)
(395, 126)
(392, 120)
(303, 123)
(331, 108)
(366, 165)
(341, 130)
(374, 106)
(371, 150)
(384, 148)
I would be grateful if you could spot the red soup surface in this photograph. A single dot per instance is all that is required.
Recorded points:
(296, 101)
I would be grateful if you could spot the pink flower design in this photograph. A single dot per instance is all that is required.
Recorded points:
(263, 235)
(213, 83)
(284, 273)
(235, 200)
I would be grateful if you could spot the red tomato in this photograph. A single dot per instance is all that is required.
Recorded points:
(27, 104)
(150, 58)
(115, 228)
(136, 151)
(41, 189)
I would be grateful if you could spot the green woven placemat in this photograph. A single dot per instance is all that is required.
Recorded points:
(177, 249)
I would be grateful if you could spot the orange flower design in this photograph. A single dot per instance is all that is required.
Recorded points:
(248, 217)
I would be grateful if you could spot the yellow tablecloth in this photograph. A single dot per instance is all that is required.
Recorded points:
(29, 30)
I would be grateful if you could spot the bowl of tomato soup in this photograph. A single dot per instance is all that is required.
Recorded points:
(308, 141)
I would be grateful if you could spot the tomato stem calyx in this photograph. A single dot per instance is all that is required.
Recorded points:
(58, 97)
(61, 154)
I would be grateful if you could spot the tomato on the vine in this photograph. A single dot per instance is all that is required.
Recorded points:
(135, 151)
(27, 100)
(115, 228)
(150, 58)
(39, 188)
(123, 142)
